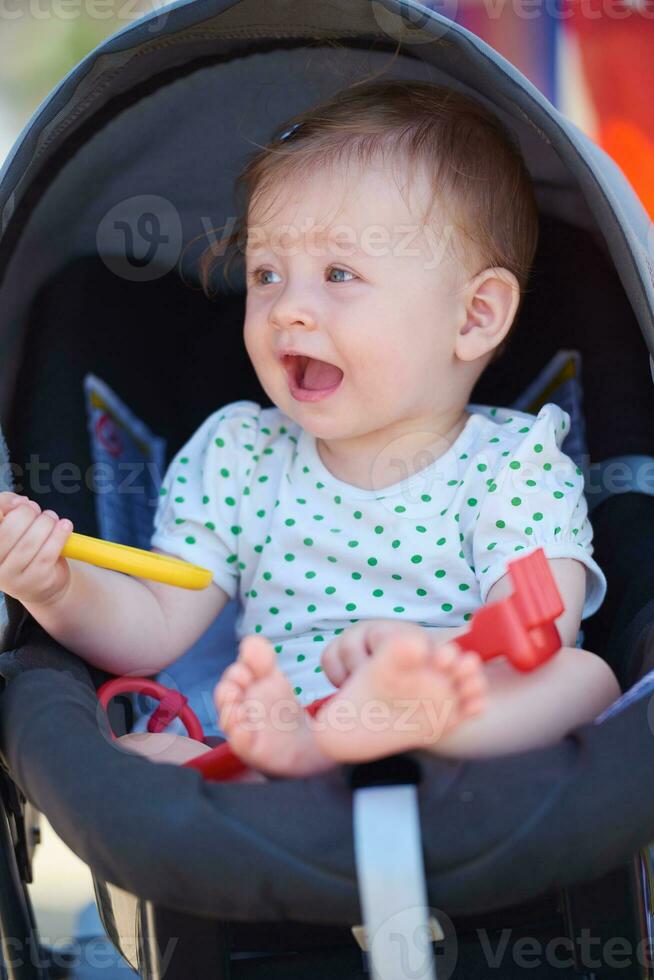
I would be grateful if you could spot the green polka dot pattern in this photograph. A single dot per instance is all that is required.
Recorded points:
(539, 502)
(309, 554)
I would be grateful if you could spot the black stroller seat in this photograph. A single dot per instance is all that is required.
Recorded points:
(549, 844)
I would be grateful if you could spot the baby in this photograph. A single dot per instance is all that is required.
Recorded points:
(389, 235)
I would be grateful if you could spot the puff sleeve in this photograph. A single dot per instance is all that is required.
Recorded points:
(536, 500)
(197, 515)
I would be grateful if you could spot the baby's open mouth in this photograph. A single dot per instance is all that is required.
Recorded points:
(310, 374)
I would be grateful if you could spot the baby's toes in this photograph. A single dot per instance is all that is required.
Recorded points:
(240, 735)
(404, 650)
(472, 706)
(230, 689)
(238, 673)
(475, 686)
(228, 701)
(258, 654)
(226, 692)
(467, 666)
(472, 684)
(446, 657)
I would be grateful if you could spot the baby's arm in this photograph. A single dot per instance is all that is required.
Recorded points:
(529, 710)
(354, 645)
(124, 624)
(119, 623)
(570, 577)
(522, 710)
(525, 711)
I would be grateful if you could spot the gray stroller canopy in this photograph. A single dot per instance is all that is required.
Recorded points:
(192, 127)
(165, 113)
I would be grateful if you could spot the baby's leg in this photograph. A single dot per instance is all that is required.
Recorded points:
(163, 746)
(529, 710)
(175, 749)
(508, 711)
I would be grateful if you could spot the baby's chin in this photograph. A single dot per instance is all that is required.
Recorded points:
(330, 419)
(323, 419)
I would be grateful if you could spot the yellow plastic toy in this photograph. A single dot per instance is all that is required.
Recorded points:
(136, 561)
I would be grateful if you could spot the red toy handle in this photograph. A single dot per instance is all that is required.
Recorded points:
(172, 703)
(522, 627)
(222, 763)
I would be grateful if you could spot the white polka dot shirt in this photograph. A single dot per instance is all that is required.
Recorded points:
(249, 497)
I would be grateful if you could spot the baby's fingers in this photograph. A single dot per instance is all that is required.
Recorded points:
(30, 548)
(342, 656)
(349, 650)
(15, 535)
(51, 547)
(9, 500)
(332, 665)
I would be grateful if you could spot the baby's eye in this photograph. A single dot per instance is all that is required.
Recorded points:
(254, 277)
(336, 268)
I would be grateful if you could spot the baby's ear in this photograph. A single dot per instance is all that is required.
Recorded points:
(491, 302)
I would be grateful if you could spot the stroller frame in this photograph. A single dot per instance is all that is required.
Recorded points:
(615, 903)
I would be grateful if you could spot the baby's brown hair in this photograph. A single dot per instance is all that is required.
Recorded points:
(476, 169)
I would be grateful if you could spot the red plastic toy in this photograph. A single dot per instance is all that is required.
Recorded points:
(522, 627)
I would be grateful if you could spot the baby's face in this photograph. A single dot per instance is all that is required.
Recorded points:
(344, 272)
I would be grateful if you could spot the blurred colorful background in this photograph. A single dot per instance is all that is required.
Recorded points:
(594, 59)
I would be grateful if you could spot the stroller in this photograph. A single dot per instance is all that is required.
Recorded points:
(536, 862)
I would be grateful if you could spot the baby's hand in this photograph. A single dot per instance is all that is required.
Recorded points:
(31, 567)
(349, 649)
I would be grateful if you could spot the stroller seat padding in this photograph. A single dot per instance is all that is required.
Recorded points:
(284, 849)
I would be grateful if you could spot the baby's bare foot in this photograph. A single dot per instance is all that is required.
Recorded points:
(265, 723)
(163, 746)
(407, 695)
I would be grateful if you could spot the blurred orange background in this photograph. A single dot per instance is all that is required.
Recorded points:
(594, 59)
